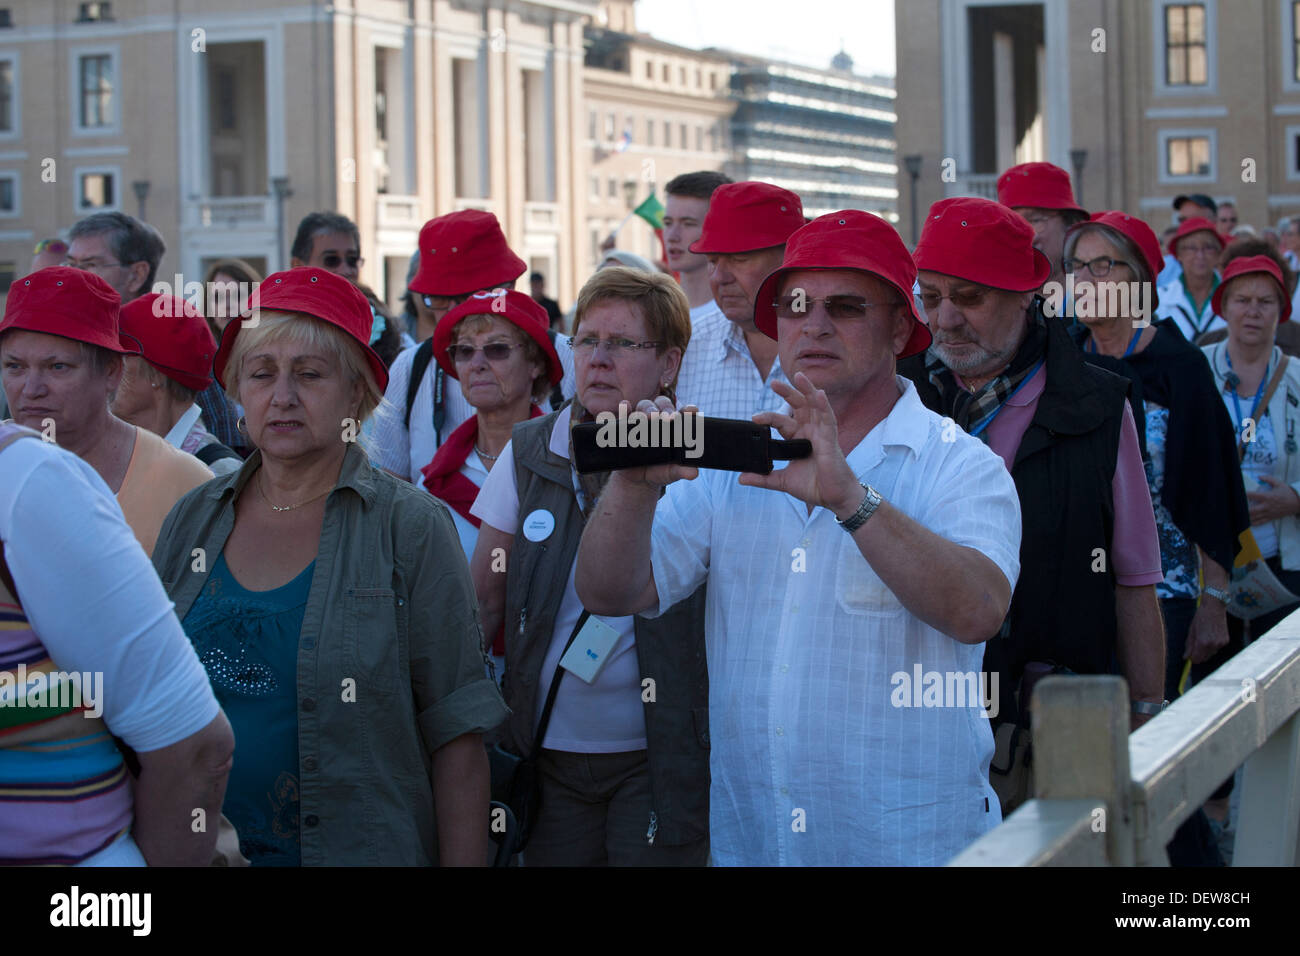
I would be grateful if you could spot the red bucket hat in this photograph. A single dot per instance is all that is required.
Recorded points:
(1189, 226)
(516, 308)
(315, 292)
(1251, 265)
(981, 241)
(1040, 185)
(848, 239)
(174, 337)
(73, 303)
(747, 216)
(464, 252)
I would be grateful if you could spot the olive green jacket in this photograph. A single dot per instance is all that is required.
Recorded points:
(390, 660)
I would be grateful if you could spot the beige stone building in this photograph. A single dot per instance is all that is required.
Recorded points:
(653, 111)
(1141, 99)
(226, 123)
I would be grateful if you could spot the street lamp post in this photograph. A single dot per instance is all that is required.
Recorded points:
(280, 185)
(913, 164)
(141, 187)
(1078, 157)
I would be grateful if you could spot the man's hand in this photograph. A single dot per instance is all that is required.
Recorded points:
(1209, 631)
(824, 479)
(1279, 501)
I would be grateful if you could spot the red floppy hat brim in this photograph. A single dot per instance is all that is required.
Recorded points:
(231, 332)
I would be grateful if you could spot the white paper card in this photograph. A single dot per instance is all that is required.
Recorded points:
(590, 650)
(1257, 591)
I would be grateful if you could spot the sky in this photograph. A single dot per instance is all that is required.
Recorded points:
(766, 28)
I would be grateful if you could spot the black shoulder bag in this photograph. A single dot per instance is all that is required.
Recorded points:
(515, 780)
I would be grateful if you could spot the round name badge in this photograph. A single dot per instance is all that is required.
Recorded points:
(539, 525)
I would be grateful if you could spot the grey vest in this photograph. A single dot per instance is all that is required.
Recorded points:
(670, 648)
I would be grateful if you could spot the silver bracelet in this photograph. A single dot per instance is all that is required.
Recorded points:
(865, 510)
(1219, 594)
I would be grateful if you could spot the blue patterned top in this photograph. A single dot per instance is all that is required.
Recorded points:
(248, 643)
(1178, 556)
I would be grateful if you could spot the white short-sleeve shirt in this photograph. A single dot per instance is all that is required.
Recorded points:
(818, 756)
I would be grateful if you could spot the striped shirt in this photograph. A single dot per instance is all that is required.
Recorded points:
(718, 375)
(64, 792)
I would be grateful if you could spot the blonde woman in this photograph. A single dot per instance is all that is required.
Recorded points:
(332, 608)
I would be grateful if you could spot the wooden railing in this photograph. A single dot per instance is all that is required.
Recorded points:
(1105, 797)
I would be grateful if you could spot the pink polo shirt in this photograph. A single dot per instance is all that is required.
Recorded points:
(1135, 546)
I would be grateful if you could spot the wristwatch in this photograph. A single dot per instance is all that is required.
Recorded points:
(1219, 594)
(865, 510)
(1146, 707)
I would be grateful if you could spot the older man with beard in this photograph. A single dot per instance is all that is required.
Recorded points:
(1089, 553)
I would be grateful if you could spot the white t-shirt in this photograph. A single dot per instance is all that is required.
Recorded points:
(474, 470)
(604, 717)
(93, 598)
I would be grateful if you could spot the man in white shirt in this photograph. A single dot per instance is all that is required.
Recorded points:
(825, 750)
(686, 204)
(729, 366)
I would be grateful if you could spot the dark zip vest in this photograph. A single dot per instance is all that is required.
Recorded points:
(1063, 606)
(669, 648)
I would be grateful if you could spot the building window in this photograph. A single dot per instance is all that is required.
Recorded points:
(7, 98)
(681, 75)
(649, 69)
(613, 188)
(649, 132)
(9, 194)
(96, 74)
(665, 72)
(1186, 53)
(1295, 42)
(1187, 156)
(97, 190)
(592, 123)
(699, 77)
(595, 187)
(699, 139)
(713, 80)
(668, 134)
(682, 141)
(609, 125)
(1293, 153)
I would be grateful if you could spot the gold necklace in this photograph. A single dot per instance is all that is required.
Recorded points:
(262, 491)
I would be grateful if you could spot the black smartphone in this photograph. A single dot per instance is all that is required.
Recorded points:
(634, 440)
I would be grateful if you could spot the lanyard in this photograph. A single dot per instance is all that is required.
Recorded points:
(998, 411)
(1132, 344)
(1259, 394)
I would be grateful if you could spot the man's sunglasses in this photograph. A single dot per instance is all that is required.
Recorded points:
(837, 306)
(333, 260)
(962, 299)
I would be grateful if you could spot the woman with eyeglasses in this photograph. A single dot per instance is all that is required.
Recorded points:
(622, 759)
(495, 345)
(1187, 300)
(1192, 467)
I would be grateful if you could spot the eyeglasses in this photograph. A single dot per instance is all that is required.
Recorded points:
(91, 265)
(837, 306)
(1099, 267)
(1039, 220)
(56, 246)
(493, 352)
(332, 260)
(617, 346)
(442, 302)
(961, 299)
